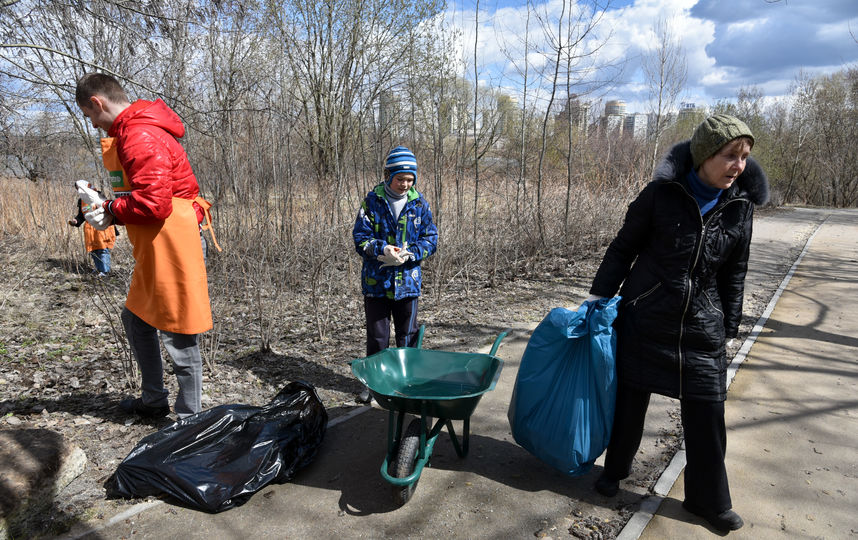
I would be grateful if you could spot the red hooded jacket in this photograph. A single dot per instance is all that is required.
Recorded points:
(155, 162)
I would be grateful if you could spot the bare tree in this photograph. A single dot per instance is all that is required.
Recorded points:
(476, 113)
(575, 24)
(519, 59)
(431, 93)
(557, 44)
(344, 52)
(666, 71)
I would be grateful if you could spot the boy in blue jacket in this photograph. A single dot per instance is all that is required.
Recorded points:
(393, 233)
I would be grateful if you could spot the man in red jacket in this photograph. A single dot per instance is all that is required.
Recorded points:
(157, 199)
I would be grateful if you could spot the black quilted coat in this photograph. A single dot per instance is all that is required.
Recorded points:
(682, 277)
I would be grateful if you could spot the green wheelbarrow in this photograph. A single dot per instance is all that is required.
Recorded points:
(430, 384)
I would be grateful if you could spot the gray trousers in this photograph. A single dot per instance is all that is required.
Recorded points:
(187, 364)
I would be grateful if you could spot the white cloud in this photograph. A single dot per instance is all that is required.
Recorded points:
(741, 28)
(715, 77)
(728, 45)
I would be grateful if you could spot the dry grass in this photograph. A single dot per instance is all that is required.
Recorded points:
(268, 268)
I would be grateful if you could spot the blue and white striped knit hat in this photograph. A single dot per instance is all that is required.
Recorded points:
(399, 160)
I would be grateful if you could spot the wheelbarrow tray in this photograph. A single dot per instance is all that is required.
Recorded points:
(428, 382)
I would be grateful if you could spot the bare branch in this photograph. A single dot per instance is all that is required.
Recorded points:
(76, 59)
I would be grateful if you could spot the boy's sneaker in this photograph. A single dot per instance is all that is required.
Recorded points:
(136, 406)
(364, 396)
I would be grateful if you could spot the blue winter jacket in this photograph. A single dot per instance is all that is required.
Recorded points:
(374, 229)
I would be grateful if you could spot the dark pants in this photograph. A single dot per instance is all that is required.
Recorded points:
(378, 312)
(705, 433)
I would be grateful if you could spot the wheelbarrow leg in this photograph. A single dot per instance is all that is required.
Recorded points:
(421, 453)
(461, 449)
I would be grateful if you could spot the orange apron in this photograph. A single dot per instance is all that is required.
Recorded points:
(169, 288)
(207, 222)
(95, 239)
(118, 178)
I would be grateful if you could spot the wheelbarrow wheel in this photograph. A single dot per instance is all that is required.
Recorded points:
(406, 457)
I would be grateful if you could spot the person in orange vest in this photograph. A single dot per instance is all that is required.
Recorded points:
(158, 202)
(98, 243)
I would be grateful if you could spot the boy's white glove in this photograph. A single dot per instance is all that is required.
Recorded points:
(405, 254)
(390, 257)
(98, 218)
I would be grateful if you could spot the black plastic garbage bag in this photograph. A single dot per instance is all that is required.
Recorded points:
(217, 459)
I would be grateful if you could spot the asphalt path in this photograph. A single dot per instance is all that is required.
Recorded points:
(501, 491)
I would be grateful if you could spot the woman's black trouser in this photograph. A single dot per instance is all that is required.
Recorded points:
(705, 434)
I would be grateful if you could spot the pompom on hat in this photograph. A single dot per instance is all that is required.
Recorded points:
(713, 133)
(400, 160)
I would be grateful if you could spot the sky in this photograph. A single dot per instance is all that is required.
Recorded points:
(728, 44)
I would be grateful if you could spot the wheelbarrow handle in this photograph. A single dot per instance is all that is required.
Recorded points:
(498, 340)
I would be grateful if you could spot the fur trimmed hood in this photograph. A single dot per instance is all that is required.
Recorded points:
(752, 183)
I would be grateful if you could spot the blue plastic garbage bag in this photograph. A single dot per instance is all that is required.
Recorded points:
(218, 458)
(563, 401)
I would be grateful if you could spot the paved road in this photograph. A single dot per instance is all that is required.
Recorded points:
(791, 456)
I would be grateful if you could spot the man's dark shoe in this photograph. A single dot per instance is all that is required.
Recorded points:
(727, 520)
(606, 486)
(136, 406)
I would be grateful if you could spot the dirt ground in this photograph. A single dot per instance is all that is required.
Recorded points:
(64, 366)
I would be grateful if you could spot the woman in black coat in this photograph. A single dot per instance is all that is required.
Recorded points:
(681, 258)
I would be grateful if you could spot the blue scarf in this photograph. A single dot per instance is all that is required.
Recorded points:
(706, 196)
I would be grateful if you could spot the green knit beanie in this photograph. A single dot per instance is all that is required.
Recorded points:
(715, 132)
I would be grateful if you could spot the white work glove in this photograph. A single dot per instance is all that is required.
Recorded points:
(390, 257)
(92, 207)
(90, 198)
(99, 218)
(404, 254)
